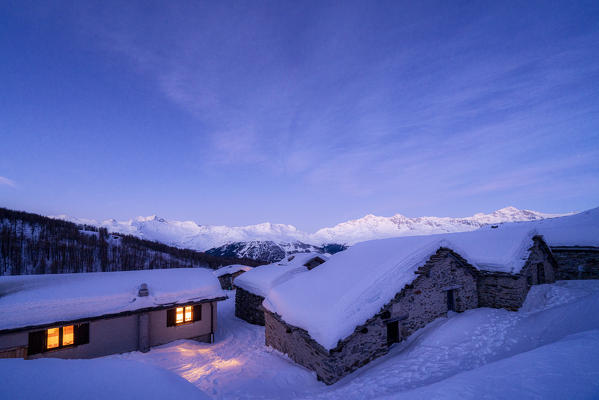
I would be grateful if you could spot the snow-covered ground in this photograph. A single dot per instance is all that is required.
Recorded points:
(98, 379)
(548, 350)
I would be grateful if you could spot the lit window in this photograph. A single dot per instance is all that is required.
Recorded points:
(188, 313)
(179, 315)
(53, 338)
(68, 337)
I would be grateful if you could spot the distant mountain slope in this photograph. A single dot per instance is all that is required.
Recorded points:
(188, 234)
(269, 251)
(33, 244)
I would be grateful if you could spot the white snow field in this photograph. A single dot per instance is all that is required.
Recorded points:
(548, 350)
(99, 379)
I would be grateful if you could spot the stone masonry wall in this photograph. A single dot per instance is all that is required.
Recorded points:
(427, 299)
(503, 290)
(235, 275)
(248, 306)
(226, 281)
(415, 306)
(577, 262)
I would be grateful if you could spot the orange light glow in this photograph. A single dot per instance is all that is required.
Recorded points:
(68, 336)
(53, 336)
(179, 315)
(188, 313)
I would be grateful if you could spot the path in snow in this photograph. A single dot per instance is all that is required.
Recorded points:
(471, 344)
(237, 365)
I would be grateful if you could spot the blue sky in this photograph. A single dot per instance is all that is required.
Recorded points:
(307, 113)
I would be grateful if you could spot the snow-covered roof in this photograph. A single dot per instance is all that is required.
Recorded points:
(262, 279)
(302, 258)
(357, 282)
(575, 230)
(30, 300)
(231, 269)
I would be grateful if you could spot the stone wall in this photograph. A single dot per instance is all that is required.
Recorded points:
(248, 306)
(226, 281)
(503, 290)
(414, 306)
(235, 275)
(577, 262)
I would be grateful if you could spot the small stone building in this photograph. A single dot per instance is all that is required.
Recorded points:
(574, 242)
(255, 285)
(508, 289)
(89, 315)
(227, 274)
(336, 319)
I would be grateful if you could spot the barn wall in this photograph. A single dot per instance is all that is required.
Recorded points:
(106, 336)
(120, 335)
(199, 330)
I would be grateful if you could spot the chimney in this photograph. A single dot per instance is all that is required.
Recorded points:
(143, 290)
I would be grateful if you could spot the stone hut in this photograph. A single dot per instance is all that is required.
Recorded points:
(377, 293)
(227, 274)
(574, 242)
(508, 288)
(255, 285)
(88, 315)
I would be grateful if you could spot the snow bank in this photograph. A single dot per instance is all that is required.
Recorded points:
(91, 379)
(354, 284)
(231, 269)
(30, 300)
(566, 369)
(262, 279)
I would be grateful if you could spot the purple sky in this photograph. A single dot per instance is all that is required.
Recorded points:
(307, 113)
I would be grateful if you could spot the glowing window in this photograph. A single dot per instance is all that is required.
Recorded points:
(188, 313)
(179, 315)
(53, 338)
(68, 336)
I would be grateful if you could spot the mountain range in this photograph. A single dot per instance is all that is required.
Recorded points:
(270, 242)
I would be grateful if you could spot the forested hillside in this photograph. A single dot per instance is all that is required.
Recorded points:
(34, 244)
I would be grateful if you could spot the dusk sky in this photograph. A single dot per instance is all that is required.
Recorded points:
(306, 113)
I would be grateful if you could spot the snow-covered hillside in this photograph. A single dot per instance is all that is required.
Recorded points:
(267, 251)
(188, 234)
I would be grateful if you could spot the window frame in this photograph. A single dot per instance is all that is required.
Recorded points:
(194, 310)
(185, 309)
(60, 338)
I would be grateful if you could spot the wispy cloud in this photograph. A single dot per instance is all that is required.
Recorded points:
(7, 182)
(338, 106)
